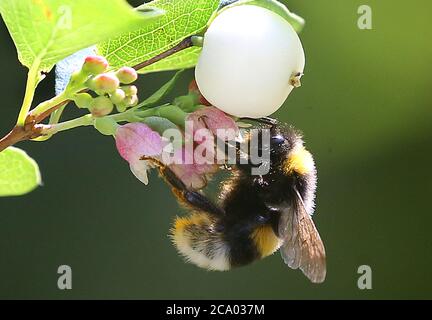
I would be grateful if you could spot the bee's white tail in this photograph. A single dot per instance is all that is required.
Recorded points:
(197, 239)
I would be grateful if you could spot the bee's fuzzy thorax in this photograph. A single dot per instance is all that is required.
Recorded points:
(299, 161)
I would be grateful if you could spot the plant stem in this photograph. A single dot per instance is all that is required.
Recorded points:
(27, 124)
(86, 120)
(56, 115)
(170, 112)
(186, 43)
(16, 135)
(50, 130)
(40, 117)
(46, 109)
(197, 41)
(32, 80)
(59, 100)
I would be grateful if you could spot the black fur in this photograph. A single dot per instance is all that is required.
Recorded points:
(253, 201)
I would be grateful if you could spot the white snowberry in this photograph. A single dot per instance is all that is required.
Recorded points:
(251, 60)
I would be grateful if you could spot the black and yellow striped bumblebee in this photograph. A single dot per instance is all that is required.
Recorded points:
(255, 215)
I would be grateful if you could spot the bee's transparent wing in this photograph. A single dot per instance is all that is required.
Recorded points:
(302, 247)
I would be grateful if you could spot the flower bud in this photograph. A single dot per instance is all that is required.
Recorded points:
(132, 101)
(77, 79)
(121, 107)
(127, 75)
(106, 126)
(118, 96)
(101, 106)
(83, 100)
(130, 90)
(105, 83)
(95, 65)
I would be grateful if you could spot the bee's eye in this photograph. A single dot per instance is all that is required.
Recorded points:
(261, 219)
(278, 139)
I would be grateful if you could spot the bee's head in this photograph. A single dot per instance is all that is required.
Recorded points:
(288, 152)
(270, 146)
(283, 139)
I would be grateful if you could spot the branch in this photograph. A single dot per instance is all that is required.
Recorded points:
(32, 82)
(16, 135)
(186, 43)
(31, 129)
(40, 117)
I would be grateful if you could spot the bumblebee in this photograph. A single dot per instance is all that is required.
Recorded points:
(255, 215)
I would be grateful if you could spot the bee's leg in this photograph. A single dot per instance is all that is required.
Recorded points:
(190, 198)
(169, 176)
(264, 120)
(224, 146)
(196, 236)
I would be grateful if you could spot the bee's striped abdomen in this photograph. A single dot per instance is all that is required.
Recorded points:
(198, 239)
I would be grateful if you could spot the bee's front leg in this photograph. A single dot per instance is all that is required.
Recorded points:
(189, 198)
(265, 120)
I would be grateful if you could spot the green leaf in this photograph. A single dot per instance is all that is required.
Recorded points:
(296, 21)
(47, 31)
(183, 18)
(185, 59)
(159, 124)
(188, 103)
(156, 97)
(19, 174)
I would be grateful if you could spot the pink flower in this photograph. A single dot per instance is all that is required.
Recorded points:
(192, 163)
(134, 141)
(193, 175)
(213, 119)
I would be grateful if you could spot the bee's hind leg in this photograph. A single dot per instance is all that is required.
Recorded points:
(189, 198)
(198, 234)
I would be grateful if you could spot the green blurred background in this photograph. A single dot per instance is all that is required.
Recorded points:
(365, 109)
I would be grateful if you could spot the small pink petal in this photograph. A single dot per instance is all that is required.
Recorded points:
(139, 169)
(189, 177)
(135, 140)
(213, 119)
(192, 174)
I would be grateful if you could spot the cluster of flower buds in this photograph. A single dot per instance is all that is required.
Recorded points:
(112, 88)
